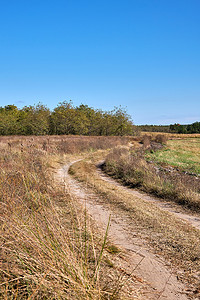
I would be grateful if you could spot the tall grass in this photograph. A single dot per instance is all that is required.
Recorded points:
(61, 144)
(133, 170)
(169, 236)
(48, 248)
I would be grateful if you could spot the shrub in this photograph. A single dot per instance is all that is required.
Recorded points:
(161, 138)
(146, 141)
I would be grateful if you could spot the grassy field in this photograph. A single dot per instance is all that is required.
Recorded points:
(183, 154)
(177, 241)
(172, 135)
(49, 250)
(153, 168)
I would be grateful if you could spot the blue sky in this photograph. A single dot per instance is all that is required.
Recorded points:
(141, 54)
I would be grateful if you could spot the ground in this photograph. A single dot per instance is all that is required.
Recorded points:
(157, 274)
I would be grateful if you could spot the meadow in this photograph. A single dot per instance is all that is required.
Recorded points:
(49, 249)
(183, 154)
(52, 249)
(164, 165)
(166, 234)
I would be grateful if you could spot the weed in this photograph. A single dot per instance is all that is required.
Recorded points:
(113, 249)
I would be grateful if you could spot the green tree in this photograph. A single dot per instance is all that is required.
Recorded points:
(91, 119)
(122, 122)
(63, 118)
(35, 120)
(9, 120)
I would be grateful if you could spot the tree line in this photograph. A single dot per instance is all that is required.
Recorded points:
(154, 128)
(173, 128)
(190, 128)
(64, 119)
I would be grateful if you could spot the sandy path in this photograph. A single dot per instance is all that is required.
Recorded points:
(162, 282)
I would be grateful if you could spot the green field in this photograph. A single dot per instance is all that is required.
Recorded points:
(184, 154)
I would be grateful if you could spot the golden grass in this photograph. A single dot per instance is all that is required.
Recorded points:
(172, 135)
(132, 169)
(61, 144)
(49, 248)
(173, 238)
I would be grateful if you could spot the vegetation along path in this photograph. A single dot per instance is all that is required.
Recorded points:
(177, 210)
(157, 273)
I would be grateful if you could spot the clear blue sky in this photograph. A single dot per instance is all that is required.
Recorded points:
(141, 54)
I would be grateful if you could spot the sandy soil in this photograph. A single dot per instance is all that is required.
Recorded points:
(159, 279)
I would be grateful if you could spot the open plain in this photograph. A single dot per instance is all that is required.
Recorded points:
(69, 231)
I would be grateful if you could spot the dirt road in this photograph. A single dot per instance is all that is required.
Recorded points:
(161, 281)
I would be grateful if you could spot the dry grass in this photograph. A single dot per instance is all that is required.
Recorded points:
(49, 249)
(63, 144)
(173, 238)
(172, 135)
(133, 170)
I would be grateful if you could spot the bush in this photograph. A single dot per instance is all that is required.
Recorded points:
(161, 139)
(146, 141)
